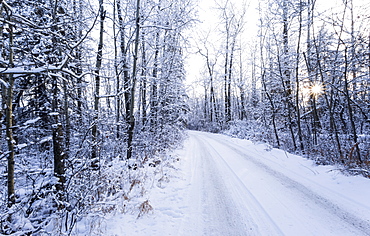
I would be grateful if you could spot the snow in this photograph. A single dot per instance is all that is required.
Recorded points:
(20, 146)
(229, 186)
(46, 139)
(32, 121)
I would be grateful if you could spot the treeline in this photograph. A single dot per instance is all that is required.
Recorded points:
(303, 85)
(91, 96)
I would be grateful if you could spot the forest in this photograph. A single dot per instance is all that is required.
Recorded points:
(93, 97)
(302, 85)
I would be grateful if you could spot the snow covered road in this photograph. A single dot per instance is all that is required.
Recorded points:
(234, 187)
(237, 191)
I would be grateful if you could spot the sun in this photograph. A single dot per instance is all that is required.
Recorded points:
(317, 89)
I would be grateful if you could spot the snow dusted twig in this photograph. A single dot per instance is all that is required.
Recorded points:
(6, 84)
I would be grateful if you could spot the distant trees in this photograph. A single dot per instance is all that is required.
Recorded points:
(211, 108)
(217, 114)
(310, 84)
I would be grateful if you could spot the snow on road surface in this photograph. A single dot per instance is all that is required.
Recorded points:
(228, 186)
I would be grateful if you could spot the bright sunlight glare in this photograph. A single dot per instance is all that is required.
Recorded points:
(316, 89)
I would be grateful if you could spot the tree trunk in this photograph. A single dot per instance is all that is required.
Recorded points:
(226, 98)
(66, 116)
(124, 52)
(242, 111)
(99, 58)
(300, 136)
(134, 79)
(286, 73)
(59, 151)
(117, 71)
(77, 10)
(143, 82)
(154, 86)
(214, 116)
(273, 115)
(350, 112)
(228, 115)
(9, 123)
(206, 106)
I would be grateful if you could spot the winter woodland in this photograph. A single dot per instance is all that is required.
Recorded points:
(93, 96)
(302, 85)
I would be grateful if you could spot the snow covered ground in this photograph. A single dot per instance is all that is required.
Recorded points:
(227, 186)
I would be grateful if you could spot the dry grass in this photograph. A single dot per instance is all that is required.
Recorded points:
(144, 208)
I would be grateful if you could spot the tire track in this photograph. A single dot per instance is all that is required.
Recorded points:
(350, 220)
(254, 215)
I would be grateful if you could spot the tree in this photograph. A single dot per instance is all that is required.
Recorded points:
(314, 100)
(210, 62)
(233, 22)
(99, 58)
(8, 96)
(130, 131)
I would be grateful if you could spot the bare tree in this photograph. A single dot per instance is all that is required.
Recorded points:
(130, 131)
(99, 59)
(9, 110)
(233, 25)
